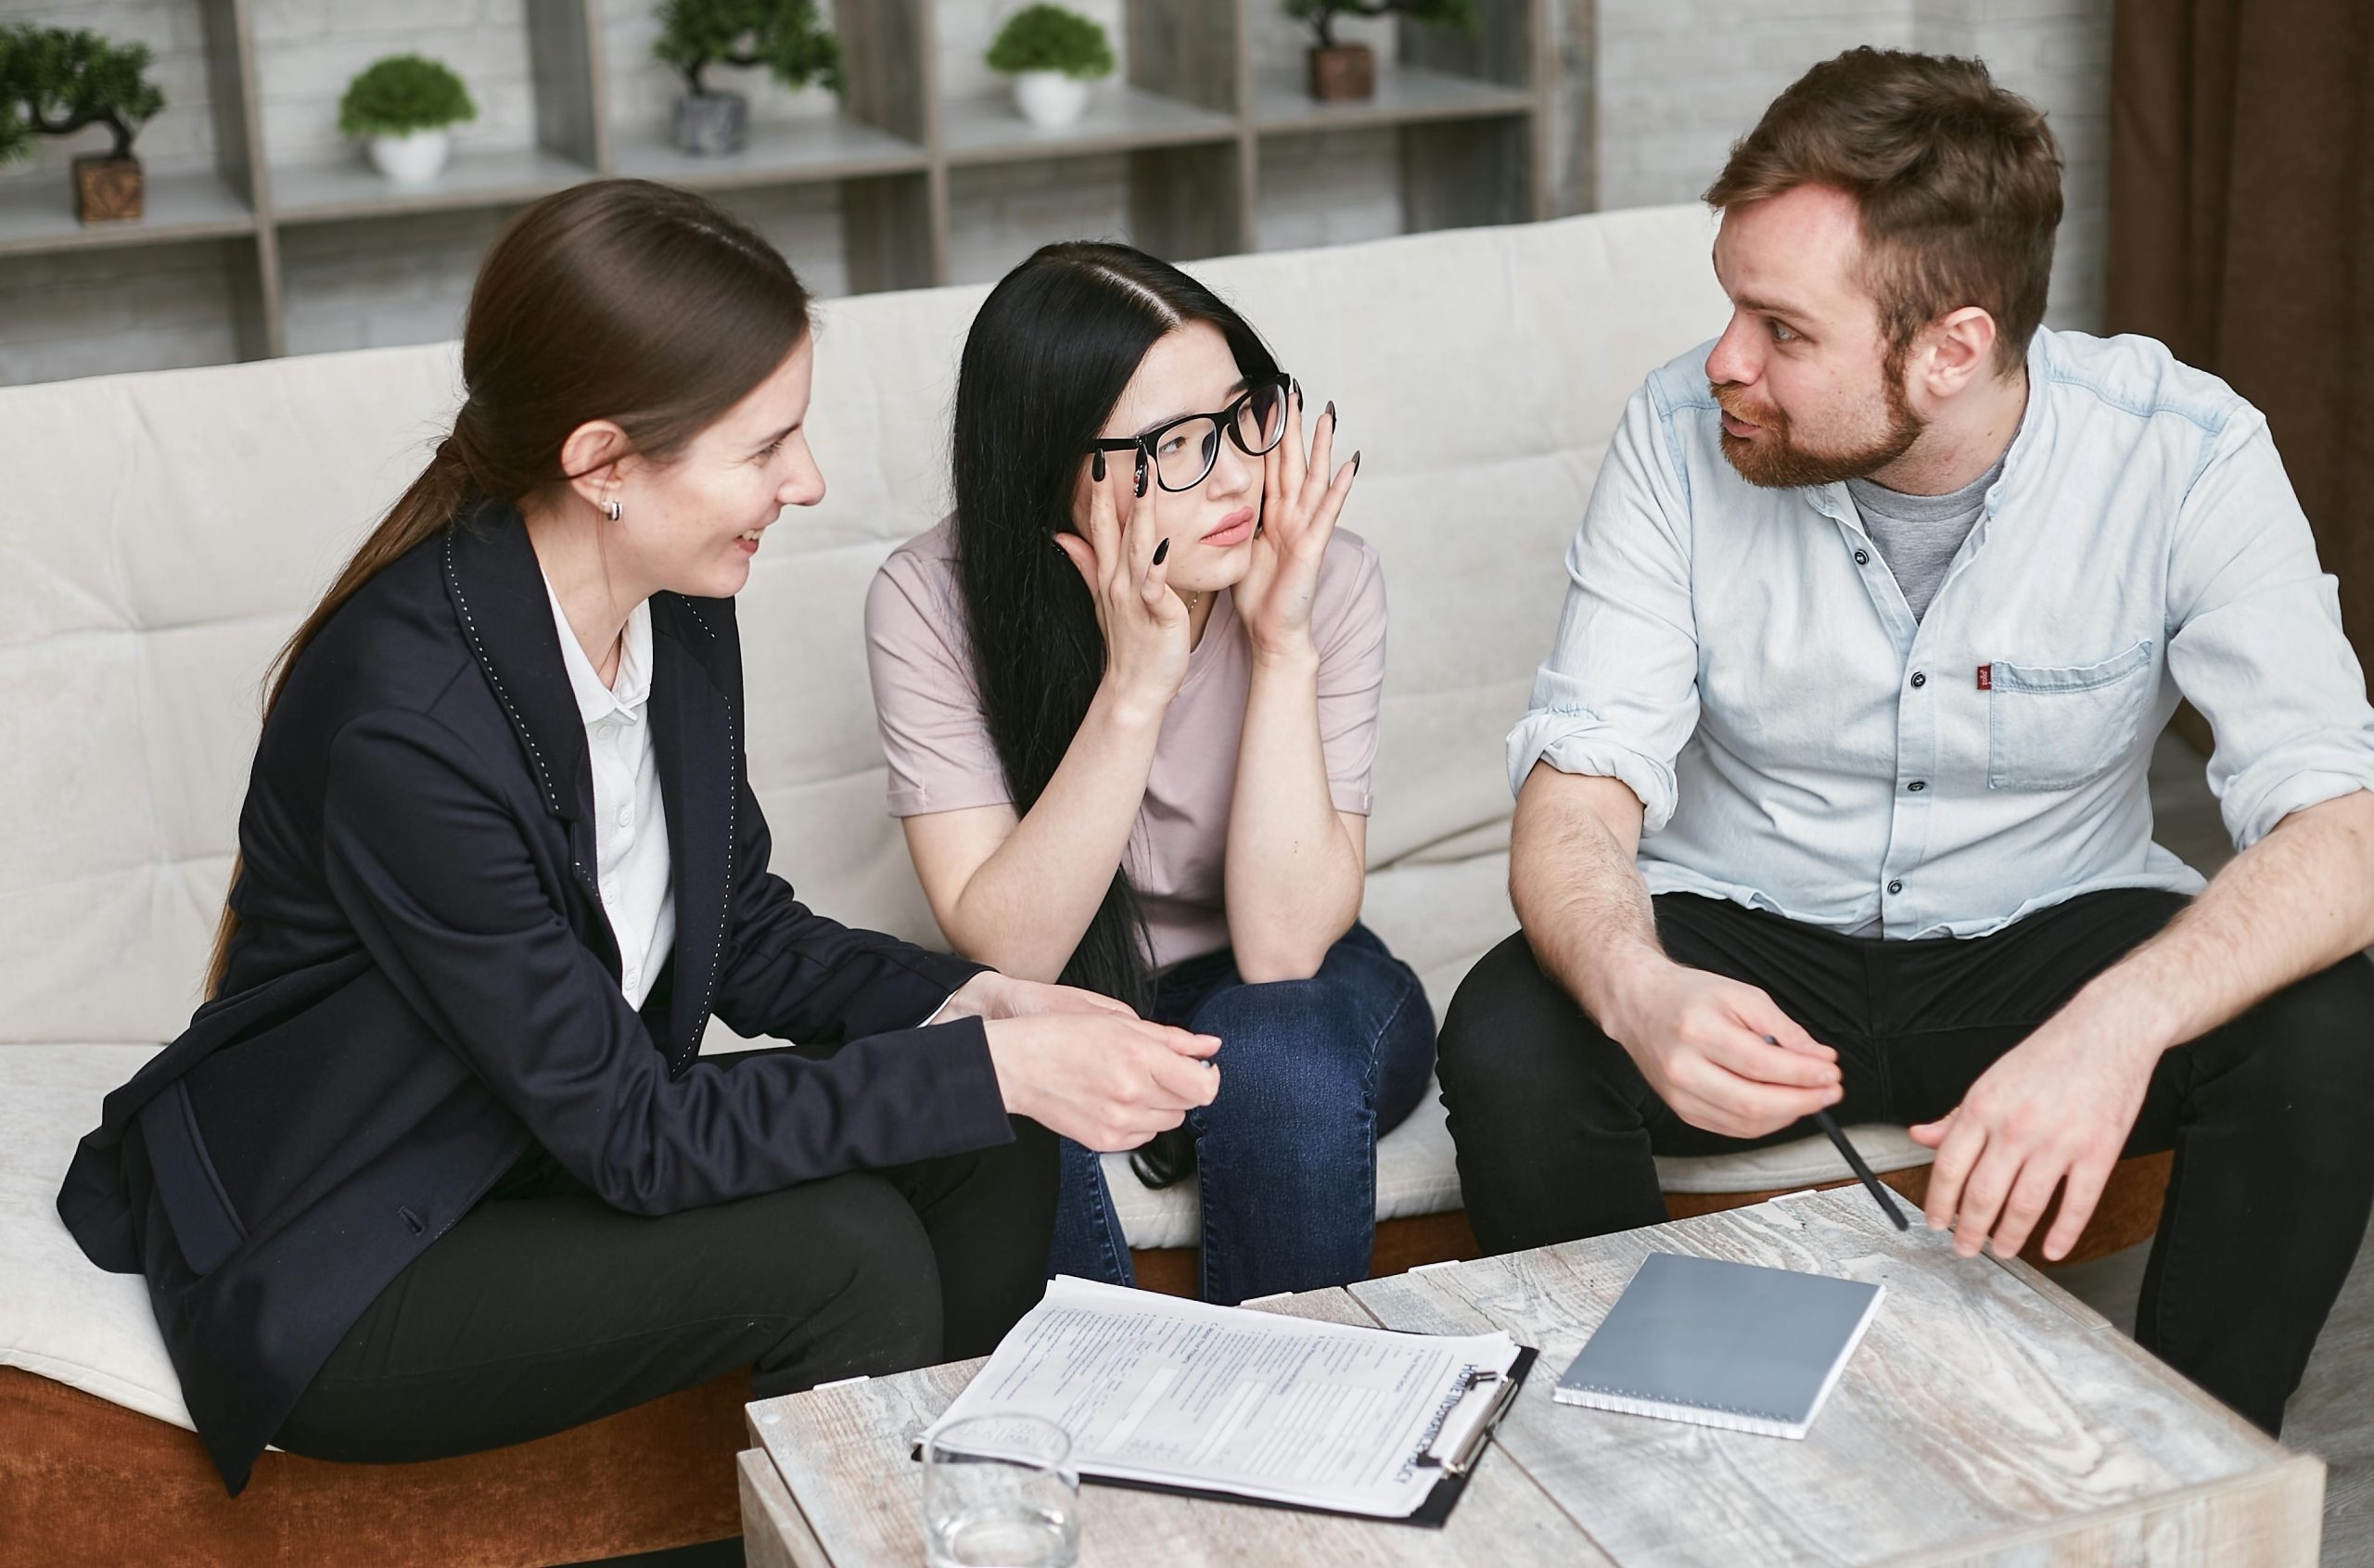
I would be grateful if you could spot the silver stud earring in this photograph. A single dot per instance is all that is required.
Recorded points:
(612, 509)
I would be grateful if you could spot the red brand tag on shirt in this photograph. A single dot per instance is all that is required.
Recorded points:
(1985, 677)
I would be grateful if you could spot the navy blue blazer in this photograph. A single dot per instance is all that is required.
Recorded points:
(423, 983)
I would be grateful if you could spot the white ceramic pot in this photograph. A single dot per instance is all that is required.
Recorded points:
(1049, 98)
(411, 160)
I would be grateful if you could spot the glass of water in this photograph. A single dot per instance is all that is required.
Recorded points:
(999, 1492)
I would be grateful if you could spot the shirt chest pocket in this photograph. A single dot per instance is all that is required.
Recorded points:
(2054, 727)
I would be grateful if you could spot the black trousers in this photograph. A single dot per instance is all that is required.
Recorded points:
(2271, 1116)
(544, 1307)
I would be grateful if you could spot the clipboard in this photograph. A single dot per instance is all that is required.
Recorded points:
(1468, 1433)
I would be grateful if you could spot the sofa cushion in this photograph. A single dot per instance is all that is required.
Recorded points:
(60, 1317)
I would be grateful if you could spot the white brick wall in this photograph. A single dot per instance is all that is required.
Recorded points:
(804, 223)
(1678, 80)
(999, 214)
(1667, 85)
(1329, 189)
(382, 282)
(132, 308)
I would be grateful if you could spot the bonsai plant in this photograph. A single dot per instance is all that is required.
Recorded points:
(1349, 70)
(782, 35)
(402, 104)
(52, 83)
(1053, 55)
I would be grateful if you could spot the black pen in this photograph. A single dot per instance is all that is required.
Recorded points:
(1879, 1195)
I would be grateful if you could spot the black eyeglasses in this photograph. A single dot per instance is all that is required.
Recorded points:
(1182, 454)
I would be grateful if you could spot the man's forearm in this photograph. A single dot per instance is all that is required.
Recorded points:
(2298, 901)
(1584, 910)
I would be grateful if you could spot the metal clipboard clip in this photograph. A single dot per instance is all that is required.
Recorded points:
(1497, 1391)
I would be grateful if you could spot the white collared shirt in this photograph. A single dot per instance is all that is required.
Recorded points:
(632, 867)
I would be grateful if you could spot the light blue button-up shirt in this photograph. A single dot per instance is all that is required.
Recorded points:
(1741, 659)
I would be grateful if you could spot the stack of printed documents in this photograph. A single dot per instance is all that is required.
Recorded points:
(1175, 1395)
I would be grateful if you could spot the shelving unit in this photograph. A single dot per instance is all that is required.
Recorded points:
(1190, 115)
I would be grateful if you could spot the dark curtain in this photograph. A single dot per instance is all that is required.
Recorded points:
(2242, 233)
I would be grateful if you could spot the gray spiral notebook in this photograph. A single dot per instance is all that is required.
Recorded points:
(1728, 1344)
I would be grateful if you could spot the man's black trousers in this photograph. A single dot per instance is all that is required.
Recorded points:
(2271, 1116)
(544, 1307)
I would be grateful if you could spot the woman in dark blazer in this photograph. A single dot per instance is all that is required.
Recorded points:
(439, 1166)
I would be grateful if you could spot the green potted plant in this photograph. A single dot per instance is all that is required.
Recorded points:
(782, 35)
(1349, 70)
(54, 82)
(1053, 55)
(402, 105)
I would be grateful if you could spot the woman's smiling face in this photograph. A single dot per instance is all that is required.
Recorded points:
(692, 524)
(1188, 370)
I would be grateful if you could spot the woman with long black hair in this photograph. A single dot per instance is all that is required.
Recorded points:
(439, 1166)
(1129, 694)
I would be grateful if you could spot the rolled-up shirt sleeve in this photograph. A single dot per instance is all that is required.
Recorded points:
(2255, 641)
(1618, 696)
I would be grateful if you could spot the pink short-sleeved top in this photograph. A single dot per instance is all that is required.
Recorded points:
(942, 759)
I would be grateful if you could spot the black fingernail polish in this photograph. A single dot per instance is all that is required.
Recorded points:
(1355, 463)
(1331, 408)
(1096, 467)
(1160, 551)
(1297, 394)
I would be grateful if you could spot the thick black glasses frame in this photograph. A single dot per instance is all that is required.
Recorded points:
(1145, 445)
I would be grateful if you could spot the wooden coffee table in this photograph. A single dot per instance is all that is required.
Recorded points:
(1989, 1417)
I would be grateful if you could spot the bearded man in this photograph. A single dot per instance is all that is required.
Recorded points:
(1832, 792)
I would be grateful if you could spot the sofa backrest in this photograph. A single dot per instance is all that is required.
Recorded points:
(161, 534)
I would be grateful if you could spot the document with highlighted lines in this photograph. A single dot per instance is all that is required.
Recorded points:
(1177, 1395)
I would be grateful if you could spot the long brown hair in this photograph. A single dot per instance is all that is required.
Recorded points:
(617, 299)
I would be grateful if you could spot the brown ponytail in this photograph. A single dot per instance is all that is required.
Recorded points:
(618, 300)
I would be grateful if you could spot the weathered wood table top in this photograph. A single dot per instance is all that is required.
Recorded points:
(1988, 1417)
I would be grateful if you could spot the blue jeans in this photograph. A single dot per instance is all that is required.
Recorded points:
(1312, 1071)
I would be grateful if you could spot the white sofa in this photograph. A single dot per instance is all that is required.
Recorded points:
(159, 535)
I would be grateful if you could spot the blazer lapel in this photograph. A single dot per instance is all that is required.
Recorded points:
(506, 613)
(693, 736)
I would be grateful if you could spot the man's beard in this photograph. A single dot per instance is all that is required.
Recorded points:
(1772, 461)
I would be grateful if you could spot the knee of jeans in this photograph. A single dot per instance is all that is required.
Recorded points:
(1292, 1036)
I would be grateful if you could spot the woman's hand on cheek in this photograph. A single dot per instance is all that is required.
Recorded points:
(1128, 576)
(1300, 503)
